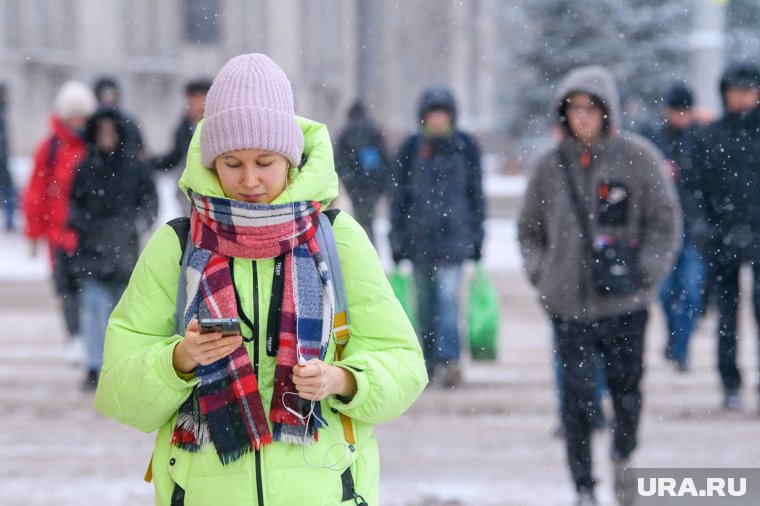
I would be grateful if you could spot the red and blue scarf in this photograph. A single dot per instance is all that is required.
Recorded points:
(225, 408)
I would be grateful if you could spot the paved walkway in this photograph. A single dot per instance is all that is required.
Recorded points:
(487, 443)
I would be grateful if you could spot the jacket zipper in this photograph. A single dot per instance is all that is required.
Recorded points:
(256, 342)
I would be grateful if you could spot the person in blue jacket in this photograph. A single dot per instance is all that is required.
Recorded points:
(437, 216)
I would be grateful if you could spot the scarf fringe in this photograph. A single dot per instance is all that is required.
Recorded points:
(301, 437)
(292, 439)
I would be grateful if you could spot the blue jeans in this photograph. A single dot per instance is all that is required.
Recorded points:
(9, 201)
(98, 300)
(438, 308)
(682, 297)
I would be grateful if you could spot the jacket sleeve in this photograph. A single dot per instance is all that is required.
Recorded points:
(477, 208)
(33, 203)
(171, 159)
(400, 194)
(531, 225)
(383, 353)
(698, 185)
(662, 220)
(147, 196)
(344, 159)
(77, 218)
(138, 384)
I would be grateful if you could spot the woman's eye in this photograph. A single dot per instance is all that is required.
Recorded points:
(233, 165)
(262, 164)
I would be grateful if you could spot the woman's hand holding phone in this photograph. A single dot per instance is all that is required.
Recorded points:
(197, 348)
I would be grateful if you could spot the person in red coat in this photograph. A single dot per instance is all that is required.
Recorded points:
(46, 199)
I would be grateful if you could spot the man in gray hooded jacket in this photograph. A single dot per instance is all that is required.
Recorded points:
(596, 193)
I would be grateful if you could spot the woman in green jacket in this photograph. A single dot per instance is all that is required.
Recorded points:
(269, 416)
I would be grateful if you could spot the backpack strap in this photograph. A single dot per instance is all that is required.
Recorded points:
(181, 227)
(326, 241)
(327, 244)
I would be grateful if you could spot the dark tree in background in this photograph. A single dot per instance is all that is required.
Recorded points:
(656, 35)
(743, 31)
(643, 42)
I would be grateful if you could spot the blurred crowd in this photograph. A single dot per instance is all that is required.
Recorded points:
(612, 221)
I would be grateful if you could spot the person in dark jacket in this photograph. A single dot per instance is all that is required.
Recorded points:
(173, 161)
(108, 94)
(362, 164)
(681, 293)
(437, 216)
(112, 192)
(728, 170)
(596, 191)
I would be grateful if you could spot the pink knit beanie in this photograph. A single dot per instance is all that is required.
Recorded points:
(250, 106)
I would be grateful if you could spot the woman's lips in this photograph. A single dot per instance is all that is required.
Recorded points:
(252, 197)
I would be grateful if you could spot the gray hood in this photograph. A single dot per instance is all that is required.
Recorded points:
(593, 80)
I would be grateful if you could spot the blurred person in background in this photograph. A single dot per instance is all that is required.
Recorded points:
(437, 217)
(610, 187)
(7, 189)
(728, 184)
(112, 195)
(174, 160)
(362, 164)
(108, 93)
(682, 291)
(45, 201)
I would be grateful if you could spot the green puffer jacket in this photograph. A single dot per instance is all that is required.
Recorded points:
(139, 387)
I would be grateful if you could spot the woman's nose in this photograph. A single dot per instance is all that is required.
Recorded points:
(249, 178)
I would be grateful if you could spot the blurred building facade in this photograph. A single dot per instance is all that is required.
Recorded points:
(154, 46)
(334, 51)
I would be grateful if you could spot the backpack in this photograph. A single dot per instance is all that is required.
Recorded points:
(370, 159)
(327, 245)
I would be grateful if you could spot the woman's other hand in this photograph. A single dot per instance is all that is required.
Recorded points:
(317, 380)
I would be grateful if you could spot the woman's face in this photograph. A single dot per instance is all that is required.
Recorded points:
(252, 175)
(106, 135)
(585, 117)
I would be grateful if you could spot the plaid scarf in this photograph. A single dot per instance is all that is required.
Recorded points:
(225, 408)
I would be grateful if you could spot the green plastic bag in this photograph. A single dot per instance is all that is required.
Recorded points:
(482, 316)
(403, 288)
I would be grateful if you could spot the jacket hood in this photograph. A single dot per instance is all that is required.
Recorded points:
(314, 180)
(739, 75)
(594, 80)
(111, 113)
(438, 97)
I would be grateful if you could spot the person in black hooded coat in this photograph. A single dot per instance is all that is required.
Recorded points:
(112, 195)
(728, 183)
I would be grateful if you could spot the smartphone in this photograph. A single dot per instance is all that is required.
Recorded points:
(227, 326)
